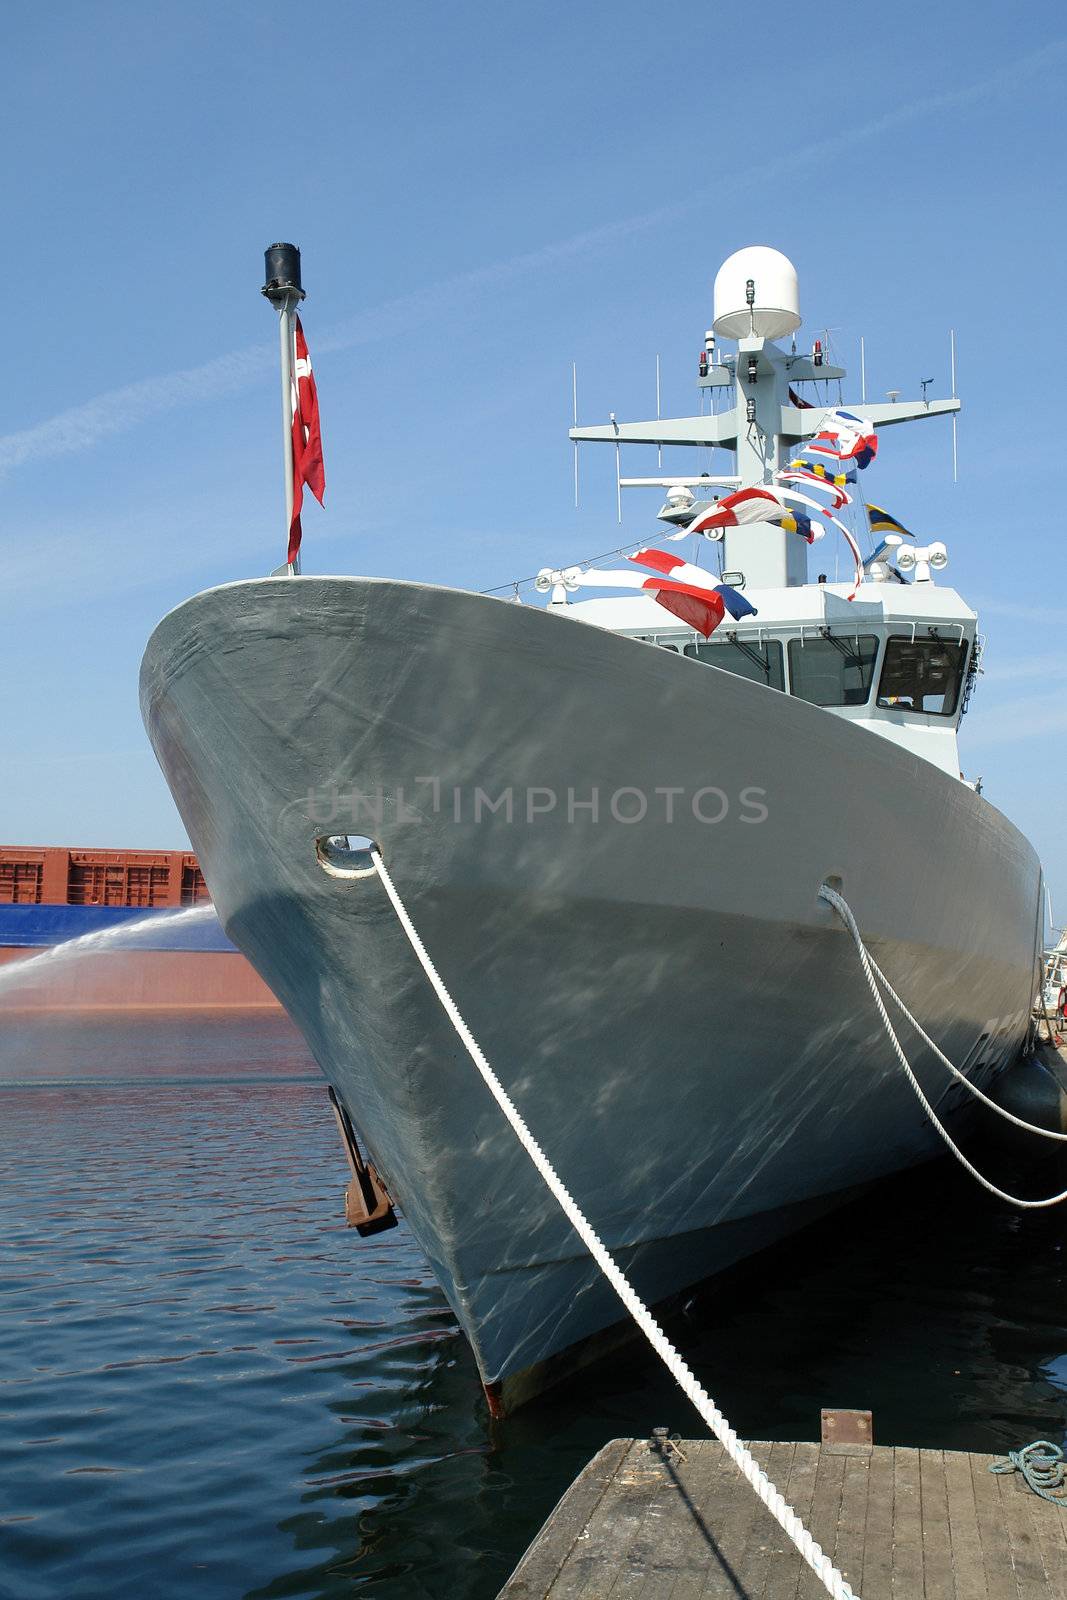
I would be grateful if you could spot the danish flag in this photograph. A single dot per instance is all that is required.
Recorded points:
(307, 440)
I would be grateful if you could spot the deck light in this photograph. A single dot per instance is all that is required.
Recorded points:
(923, 558)
(561, 580)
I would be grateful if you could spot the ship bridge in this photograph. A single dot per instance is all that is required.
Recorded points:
(899, 659)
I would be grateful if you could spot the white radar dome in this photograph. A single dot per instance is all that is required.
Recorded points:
(775, 307)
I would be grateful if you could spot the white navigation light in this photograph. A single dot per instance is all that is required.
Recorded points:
(774, 309)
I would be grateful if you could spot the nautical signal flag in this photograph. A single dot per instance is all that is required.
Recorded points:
(702, 611)
(816, 476)
(734, 510)
(797, 522)
(836, 474)
(882, 522)
(307, 440)
(735, 602)
(689, 592)
(698, 603)
(752, 505)
(846, 437)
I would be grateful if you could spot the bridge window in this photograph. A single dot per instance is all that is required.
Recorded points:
(760, 663)
(835, 669)
(922, 675)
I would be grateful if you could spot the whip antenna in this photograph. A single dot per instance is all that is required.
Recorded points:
(574, 395)
(863, 373)
(952, 357)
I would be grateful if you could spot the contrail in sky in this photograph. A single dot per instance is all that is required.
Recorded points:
(118, 410)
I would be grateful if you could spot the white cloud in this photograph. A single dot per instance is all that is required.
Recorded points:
(118, 410)
(1025, 612)
(1014, 721)
(1049, 667)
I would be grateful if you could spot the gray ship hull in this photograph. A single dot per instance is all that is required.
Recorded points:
(683, 1024)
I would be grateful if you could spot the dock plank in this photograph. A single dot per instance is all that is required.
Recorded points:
(784, 1578)
(1050, 1535)
(646, 1522)
(847, 1553)
(768, 1544)
(967, 1564)
(825, 1516)
(703, 1478)
(907, 1576)
(938, 1576)
(877, 1574)
(996, 1551)
(1027, 1565)
(741, 1526)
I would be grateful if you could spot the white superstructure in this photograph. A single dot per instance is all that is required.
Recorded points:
(897, 660)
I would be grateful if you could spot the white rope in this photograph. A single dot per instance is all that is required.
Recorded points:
(775, 1502)
(844, 911)
(961, 1077)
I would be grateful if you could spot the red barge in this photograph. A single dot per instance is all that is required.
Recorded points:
(153, 958)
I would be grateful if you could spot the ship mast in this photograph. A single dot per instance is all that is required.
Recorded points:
(284, 291)
(756, 302)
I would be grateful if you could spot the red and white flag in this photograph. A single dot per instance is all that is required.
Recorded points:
(733, 510)
(695, 602)
(307, 440)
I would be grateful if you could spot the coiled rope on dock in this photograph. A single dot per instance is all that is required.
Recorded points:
(772, 1498)
(873, 973)
(1042, 1465)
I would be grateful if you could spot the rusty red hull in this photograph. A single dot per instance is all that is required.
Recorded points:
(151, 958)
(141, 980)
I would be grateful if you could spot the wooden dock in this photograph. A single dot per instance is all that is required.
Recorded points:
(662, 1522)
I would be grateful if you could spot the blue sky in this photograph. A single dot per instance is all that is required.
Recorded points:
(482, 195)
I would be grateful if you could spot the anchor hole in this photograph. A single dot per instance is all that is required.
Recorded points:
(346, 855)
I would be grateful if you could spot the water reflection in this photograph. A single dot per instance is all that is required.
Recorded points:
(208, 1385)
(925, 1301)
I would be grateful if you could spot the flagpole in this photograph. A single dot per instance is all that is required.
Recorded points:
(285, 331)
(284, 291)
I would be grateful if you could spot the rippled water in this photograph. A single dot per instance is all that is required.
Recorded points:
(210, 1387)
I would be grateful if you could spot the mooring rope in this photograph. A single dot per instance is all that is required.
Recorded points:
(870, 968)
(771, 1497)
(1042, 1465)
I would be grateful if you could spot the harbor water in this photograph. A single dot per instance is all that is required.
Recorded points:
(210, 1387)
